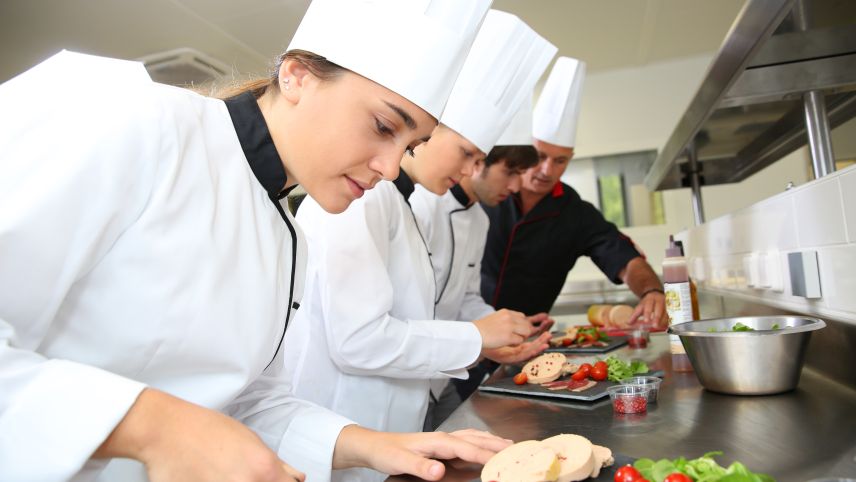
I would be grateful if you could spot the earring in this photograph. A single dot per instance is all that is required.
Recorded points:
(286, 81)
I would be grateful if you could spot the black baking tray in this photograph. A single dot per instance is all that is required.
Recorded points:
(465, 472)
(506, 385)
(614, 342)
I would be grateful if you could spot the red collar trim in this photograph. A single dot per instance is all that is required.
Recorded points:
(558, 189)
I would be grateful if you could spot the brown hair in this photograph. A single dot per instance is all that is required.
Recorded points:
(515, 157)
(319, 67)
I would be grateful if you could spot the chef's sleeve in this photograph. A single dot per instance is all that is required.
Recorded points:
(73, 175)
(473, 306)
(303, 434)
(607, 247)
(357, 297)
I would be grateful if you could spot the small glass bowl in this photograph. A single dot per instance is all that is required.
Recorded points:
(629, 398)
(638, 338)
(653, 383)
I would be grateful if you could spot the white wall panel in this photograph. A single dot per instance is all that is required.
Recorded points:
(819, 216)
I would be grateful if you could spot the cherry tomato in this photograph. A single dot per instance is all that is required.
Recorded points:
(602, 363)
(567, 342)
(599, 372)
(586, 367)
(677, 477)
(520, 378)
(627, 474)
(579, 375)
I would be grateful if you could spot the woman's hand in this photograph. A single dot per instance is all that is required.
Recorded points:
(413, 453)
(509, 355)
(502, 328)
(177, 440)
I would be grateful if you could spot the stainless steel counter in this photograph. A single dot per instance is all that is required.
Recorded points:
(797, 436)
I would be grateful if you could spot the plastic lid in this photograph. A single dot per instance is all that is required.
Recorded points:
(675, 250)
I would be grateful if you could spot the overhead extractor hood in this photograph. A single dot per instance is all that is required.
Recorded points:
(750, 109)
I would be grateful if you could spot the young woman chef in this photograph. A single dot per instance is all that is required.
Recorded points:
(148, 269)
(370, 342)
(455, 226)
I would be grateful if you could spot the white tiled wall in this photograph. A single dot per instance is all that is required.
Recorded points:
(848, 196)
(745, 253)
(819, 214)
(837, 276)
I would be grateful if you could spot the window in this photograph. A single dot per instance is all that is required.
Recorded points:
(615, 184)
(611, 196)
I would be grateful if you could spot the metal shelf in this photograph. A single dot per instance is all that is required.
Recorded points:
(751, 107)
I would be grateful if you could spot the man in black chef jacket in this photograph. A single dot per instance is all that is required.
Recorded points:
(537, 235)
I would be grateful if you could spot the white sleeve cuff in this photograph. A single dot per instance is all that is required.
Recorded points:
(66, 411)
(458, 344)
(310, 440)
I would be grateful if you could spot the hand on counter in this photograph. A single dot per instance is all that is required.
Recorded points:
(651, 310)
(177, 440)
(642, 280)
(413, 453)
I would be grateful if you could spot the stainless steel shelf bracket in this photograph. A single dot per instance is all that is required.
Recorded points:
(695, 181)
(817, 129)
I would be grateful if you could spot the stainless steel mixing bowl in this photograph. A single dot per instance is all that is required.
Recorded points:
(760, 362)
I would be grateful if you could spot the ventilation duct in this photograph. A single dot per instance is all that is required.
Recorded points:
(183, 67)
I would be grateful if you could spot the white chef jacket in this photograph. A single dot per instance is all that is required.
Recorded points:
(369, 340)
(139, 247)
(455, 230)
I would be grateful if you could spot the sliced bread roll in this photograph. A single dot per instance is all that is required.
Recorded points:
(598, 315)
(544, 368)
(619, 316)
(529, 461)
(576, 456)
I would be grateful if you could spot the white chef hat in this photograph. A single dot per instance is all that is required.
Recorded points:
(558, 108)
(413, 47)
(519, 130)
(506, 60)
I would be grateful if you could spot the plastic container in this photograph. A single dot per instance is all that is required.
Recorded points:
(629, 398)
(652, 383)
(638, 338)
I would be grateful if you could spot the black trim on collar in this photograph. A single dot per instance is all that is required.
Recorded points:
(257, 144)
(404, 185)
(461, 195)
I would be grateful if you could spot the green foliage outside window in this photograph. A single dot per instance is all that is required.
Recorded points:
(612, 199)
